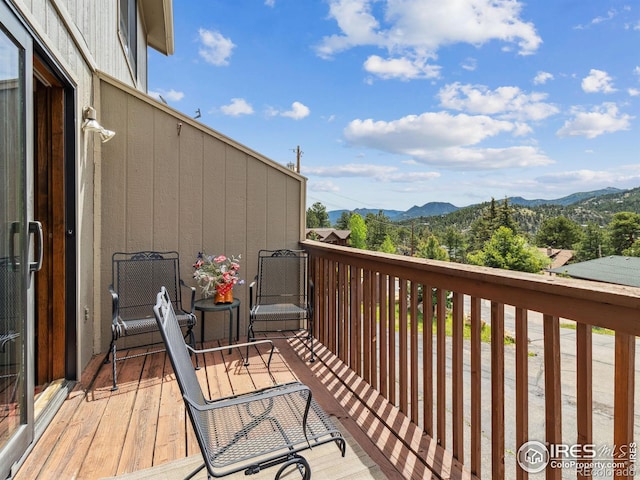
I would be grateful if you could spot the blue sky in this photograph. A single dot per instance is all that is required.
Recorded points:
(396, 103)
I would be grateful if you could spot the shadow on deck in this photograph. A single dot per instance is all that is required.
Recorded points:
(142, 431)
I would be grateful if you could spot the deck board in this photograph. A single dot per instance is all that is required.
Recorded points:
(142, 427)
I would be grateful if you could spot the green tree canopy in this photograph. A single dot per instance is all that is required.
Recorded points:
(455, 244)
(507, 250)
(378, 227)
(624, 228)
(387, 245)
(591, 243)
(343, 222)
(358, 231)
(493, 217)
(430, 248)
(558, 232)
(317, 216)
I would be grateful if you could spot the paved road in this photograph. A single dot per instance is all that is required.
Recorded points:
(603, 360)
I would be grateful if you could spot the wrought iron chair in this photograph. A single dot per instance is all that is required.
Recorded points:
(249, 431)
(136, 279)
(281, 296)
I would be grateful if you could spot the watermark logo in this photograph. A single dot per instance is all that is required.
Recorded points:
(533, 456)
(588, 459)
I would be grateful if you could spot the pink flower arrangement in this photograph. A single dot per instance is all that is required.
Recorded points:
(216, 274)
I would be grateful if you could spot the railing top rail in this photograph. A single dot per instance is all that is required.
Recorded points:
(616, 307)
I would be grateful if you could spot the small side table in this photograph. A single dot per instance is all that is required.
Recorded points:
(208, 305)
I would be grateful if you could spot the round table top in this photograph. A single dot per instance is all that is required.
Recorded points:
(208, 305)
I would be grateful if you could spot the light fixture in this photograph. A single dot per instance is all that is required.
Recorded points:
(90, 124)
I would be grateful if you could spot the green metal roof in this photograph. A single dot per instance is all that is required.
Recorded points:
(613, 269)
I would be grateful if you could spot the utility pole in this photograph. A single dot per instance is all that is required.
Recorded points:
(298, 155)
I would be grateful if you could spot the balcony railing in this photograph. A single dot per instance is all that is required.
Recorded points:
(368, 311)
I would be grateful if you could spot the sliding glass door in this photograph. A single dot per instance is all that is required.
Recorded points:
(19, 241)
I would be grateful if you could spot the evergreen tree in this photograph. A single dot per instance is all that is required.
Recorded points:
(317, 216)
(378, 227)
(343, 221)
(591, 243)
(505, 217)
(430, 248)
(624, 228)
(558, 232)
(455, 244)
(509, 251)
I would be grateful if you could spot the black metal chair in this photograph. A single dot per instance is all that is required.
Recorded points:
(136, 279)
(281, 296)
(249, 431)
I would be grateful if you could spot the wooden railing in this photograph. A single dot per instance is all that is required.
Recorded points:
(368, 312)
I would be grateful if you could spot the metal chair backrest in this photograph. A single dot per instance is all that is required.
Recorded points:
(282, 277)
(138, 276)
(177, 348)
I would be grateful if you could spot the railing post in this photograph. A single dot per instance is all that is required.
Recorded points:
(584, 379)
(497, 391)
(623, 411)
(552, 388)
(476, 386)
(522, 386)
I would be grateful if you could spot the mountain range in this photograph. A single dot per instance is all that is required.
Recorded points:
(432, 209)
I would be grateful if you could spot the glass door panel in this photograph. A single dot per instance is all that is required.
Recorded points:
(16, 417)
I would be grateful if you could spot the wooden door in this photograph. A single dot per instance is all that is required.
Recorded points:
(49, 210)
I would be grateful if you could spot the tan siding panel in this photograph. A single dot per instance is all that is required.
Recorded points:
(139, 169)
(188, 190)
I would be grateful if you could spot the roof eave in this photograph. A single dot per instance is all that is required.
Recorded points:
(158, 19)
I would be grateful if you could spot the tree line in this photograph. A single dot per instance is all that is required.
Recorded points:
(494, 238)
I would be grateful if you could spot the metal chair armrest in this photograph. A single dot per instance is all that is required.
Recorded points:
(192, 308)
(252, 285)
(114, 305)
(236, 345)
(265, 393)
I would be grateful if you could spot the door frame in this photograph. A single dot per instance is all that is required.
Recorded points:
(14, 23)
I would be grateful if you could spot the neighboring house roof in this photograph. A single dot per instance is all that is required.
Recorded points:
(613, 269)
(559, 257)
(329, 234)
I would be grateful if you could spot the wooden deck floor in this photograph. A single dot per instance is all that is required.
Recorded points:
(98, 433)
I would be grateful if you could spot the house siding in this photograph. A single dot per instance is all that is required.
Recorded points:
(188, 188)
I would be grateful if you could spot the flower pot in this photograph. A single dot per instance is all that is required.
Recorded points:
(226, 297)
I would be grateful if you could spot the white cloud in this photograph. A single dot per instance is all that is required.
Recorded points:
(469, 64)
(623, 175)
(484, 158)
(442, 139)
(602, 119)
(506, 102)
(322, 186)
(270, 3)
(633, 92)
(542, 77)
(381, 173)
(597, 81)
(298, 111)
(401, 68)
(215, 49)
(423, 26)
(169, 95)
(237, 107)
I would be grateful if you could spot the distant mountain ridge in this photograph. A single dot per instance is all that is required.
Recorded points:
(432, 209)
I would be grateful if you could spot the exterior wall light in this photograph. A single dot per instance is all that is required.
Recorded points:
(90, 124)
